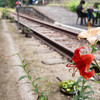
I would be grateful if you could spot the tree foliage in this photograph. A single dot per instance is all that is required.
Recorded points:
(9, 3)
(2, 3)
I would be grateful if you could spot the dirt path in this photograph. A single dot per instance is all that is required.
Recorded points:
(9, 73)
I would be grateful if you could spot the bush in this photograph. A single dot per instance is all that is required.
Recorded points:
(96, 4)
(27, 1)
(12, 20)
(5, 14)
(72, 5)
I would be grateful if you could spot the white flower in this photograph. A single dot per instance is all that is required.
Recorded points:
(98, 36)
(91, 35)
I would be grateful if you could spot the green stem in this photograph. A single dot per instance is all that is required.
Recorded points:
(29, 78)
(32, 83)
(95, 59)
(82, 89)
(97, 64)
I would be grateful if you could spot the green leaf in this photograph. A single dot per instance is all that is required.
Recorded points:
(96, 42)
(79, 80)
(94, 80)
(42, 97)
(94, 49)
(38, 79)
(30, 77)
(45, 92)
(89, 87)
(34, 90)
(23, 60)
(88, 93)
(22, 77)
(31, 70)
(76, 97)
(21, 66)
(24, 66)
(37, 84)
(27, 83)
(85, 97)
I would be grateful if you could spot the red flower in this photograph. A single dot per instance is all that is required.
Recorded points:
(82, 63)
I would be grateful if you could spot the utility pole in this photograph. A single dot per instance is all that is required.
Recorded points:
(18, 8)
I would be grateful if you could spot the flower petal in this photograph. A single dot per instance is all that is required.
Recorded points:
(86, 74)
(77, 58)
(87, 59)
(76, 53)
(83, 35)
(91, 35)
(83, 62)
(92, 40)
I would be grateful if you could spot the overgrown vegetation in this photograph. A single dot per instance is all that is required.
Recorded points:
(9, 3)
(5, 13)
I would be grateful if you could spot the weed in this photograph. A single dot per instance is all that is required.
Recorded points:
(41, 95)
(12, 20)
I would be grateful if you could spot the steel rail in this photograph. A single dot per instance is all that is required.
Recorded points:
(49, 25)
(67, 31)
(59, 47)
(65, 51)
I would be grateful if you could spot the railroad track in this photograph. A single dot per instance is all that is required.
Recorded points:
(62, 40)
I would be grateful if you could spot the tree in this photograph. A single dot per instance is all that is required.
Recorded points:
(11, 3)
(8, 3)
(2, 3)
